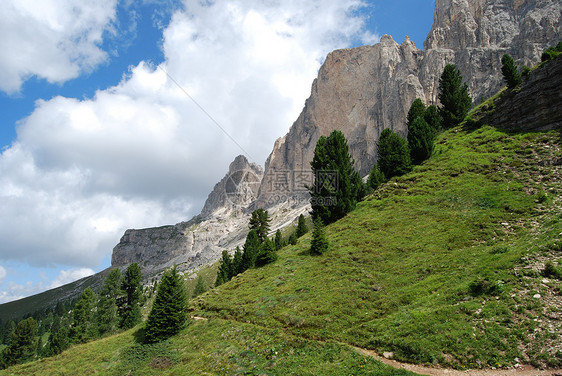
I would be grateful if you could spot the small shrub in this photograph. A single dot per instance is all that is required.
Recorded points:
(319, 243)
(541, 197)
(483, 286)
(551, 271)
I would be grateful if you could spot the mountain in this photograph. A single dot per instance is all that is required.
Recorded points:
(446, 267)
(360, 91)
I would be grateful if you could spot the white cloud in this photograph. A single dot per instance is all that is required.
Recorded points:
(54, 40)
(2, 274)
(141, 153)
(71, 275)
(14, 291)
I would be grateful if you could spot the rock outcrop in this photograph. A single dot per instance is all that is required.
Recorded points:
(536, 106)
(363, 90)
(360, 91)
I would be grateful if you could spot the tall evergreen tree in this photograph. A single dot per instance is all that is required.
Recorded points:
(376, 177)
(236, 262)
(199, 287)
(279, 242)
(319, 243)
(337, 186)
(420, 140)
(416, 110)
(169, 311)
(266, 253)
(83, 327)
(129, 309)
(432, 117)
(58, 340)
(394, 154)
(509, 71)
(259, 222)
(302, 228)
(454, 97)
(106, 314)
(251, 247)
(224, 274)
(23, 343)
(293, 238)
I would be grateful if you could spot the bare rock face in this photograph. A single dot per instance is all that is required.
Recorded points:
(537, 106)
(363, 90)
(237, 190)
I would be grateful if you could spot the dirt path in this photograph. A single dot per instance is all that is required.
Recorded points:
(525, 370)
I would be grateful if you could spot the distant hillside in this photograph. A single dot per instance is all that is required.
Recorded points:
(443, 266)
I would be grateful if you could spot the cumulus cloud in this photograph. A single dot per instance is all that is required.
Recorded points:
(54, 40)
(142, 153)
(71, 275)
(2, 274)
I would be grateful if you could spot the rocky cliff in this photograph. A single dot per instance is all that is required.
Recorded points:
(360, 91)
(364, 90)
(536, 106)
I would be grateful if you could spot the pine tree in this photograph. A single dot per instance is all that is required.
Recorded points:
(432, 117)
(259, 222)
(58, 340)
(509, 71)
(266, 253)
(293, 238)
(22, 343)
(394, 154)
(416, 110)
(279, 243)
(236, 262)
(302, 228)
(224, 274)
(129, 309)
(319, 243)
(251, 247)
(169, 311)
(106, 314)
(376, 177)
(199, 287)
(337, 186)
(454, 98)
(83, 327)
(420, 140)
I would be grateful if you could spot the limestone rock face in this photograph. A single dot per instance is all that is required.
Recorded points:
(363, 90)
(237, 190)
(536, 107)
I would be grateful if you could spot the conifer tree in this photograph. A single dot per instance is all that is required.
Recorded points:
(394, 154)
(251, 247)
(511, 77)
(454, 97)
(22, 343)
(224, 274)
(420, 140)
(279, 243)
(259, 222)
(376, 177)
(293, 238)
(58, 340)
(432, 117)
(236, 262)
(302, 228)
(266, 253)
(129, 309)
(83, 327)
(337, 185)
(319, 243)
(416, 110)
(169, 311)
(106, 314)
(199, 287)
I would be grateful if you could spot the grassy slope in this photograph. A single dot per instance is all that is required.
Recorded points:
(397, 278)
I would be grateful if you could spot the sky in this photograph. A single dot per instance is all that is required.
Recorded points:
(101, 120)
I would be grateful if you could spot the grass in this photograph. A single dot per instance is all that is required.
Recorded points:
(441, 266)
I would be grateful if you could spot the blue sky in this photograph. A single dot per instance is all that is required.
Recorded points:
(95, 139)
